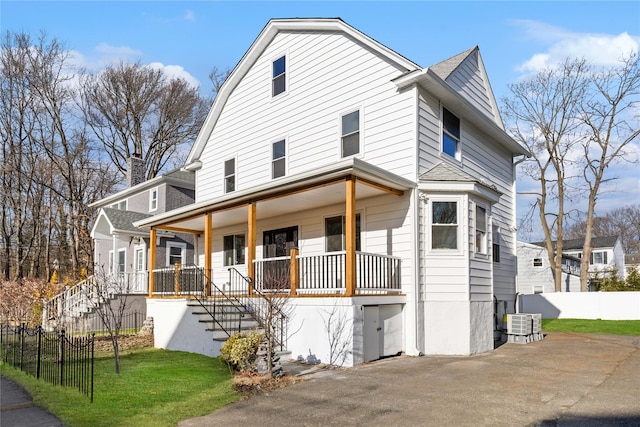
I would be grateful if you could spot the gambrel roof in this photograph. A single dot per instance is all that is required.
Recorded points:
(445, 80)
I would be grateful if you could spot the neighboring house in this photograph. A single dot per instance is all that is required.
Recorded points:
(121, 250)
(607, 256)
(631, 260)
(384, 191)
(535, 275)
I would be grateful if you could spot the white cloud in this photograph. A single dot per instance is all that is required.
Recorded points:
(597, 48)
(176, 71)
(189, 15)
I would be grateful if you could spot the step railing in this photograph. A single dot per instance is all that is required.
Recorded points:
(264, 307)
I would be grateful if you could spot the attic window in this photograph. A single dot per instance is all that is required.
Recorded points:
(450, 134)
(537, 262)
(279, 82)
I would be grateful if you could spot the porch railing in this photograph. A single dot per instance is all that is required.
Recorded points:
(325, 273)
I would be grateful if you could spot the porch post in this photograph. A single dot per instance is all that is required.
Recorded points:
(251, 245)
(152, 260)
(208, 224)
(293, 271)
(350, 236)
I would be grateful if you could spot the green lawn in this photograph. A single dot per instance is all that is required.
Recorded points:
(155, 388)
(613, 327)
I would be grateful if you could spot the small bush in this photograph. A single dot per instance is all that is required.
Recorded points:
(240, 350)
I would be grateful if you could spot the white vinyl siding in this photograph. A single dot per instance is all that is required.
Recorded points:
(327, 75)
(468, 80)
(385, 229)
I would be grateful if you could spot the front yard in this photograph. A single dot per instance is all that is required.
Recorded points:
(155, 388)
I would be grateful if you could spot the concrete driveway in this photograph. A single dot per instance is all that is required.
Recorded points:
(564, 380)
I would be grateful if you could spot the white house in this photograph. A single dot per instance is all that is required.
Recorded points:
(535, 275)
(121, 249)
(383, 190)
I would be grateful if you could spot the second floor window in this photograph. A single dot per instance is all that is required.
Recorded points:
(230, 175)
(350, 135)
(153, 199)
(598, 258)
(278, 159)
(279, 76)
(450, 134)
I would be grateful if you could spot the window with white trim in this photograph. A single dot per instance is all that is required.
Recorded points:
(481, 230)
(176, 253)
(537, 262)
(598, 257)
(496, 239)
(450, 134)
(350, 134)
(279, 76)
(278, 159)
(444, 225)
(230, 175)
(233, 247)
(153, 199)
(335, 239)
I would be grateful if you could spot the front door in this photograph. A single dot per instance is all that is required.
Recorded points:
(139, 278)
(278, 244)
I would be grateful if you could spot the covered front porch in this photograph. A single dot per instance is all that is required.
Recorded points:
(304, 235)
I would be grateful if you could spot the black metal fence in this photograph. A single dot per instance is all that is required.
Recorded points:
(50, 356)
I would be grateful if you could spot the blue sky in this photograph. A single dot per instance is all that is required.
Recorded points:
(189, 38)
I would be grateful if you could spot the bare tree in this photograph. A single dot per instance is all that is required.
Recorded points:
(622, 222)
(108, 294)
(271, 308)
(544, 113)
(336, 326)
(608, 113)
(134, 109)
(218, 76)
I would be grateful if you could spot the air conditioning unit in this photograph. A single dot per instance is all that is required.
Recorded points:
(519, 324)
(536, 326)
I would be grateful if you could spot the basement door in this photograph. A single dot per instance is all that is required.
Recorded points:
(382, 331)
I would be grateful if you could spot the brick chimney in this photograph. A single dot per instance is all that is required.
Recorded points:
(135, 170)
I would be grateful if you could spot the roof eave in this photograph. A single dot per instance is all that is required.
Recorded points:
(353, 166)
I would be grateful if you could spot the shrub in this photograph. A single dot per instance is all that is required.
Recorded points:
(240, 350)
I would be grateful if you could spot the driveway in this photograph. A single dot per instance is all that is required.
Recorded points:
(564, 380)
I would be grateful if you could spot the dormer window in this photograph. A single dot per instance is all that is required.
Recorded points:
(450, 134)
(279, 76)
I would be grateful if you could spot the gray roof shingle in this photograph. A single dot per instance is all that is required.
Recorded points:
(123, 220)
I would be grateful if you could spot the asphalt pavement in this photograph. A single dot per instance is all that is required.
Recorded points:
(564, 380)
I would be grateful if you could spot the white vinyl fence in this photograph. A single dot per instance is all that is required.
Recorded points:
(583, 305)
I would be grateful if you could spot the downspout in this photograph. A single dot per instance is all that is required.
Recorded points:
(514, 228)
